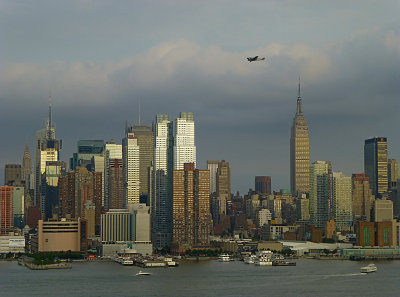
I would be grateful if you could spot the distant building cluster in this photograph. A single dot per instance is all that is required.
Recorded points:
(147, 192)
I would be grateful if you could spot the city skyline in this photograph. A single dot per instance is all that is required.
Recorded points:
(243, 112)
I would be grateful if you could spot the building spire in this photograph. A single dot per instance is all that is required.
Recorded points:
(49, 125)
(299, 111)
(140, 113)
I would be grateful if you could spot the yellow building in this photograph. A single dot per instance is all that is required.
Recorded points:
(191, 208)
(64, 235)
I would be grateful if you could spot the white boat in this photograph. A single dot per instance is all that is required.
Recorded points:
(263, 258)
(140, 273)
(249, 259)
(224, 258)
(368, 269)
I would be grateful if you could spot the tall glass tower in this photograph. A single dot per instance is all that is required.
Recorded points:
(376, 164)
(299, 152)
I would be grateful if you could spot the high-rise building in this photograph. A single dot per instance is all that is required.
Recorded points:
(212, 166)
(223, 185)
(87, 149)
(19, 207)
(47, 149)
(262, 185)
(6, 210)
(79, 189)
(363, 200)
(161, 201)
(299, 152)
(26, 166)
(50, 188)
(184, 141)
(341, 201)
(131, 165)
(376, 164)
(320, 183)
(111, 151)
(191, 208)
(383, 210)
(13, 175)
(116, 184)
(145, 140)
(393, 173)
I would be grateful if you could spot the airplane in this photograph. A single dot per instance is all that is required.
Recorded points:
(256, 58)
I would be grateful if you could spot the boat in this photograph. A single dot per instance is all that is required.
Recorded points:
(368, 269)
(140, 273)
(249, 259)
(224, 258)
(283, 263)
(263, 258)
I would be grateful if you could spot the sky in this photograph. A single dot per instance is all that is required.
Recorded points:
(99, 58)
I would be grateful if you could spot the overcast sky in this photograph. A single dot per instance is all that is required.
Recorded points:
(99, 57)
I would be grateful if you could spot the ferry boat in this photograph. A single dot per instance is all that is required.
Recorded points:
(140, 273)
(249, 259)
(368, 269)
(224, 258)
(263, 258)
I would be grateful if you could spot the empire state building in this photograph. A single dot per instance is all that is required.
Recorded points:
(299, 152)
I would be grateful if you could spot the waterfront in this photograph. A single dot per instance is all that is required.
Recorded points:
(208, 278)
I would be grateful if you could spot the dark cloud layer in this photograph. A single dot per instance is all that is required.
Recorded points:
(243, 111)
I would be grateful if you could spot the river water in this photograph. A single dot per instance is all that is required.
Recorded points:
(205, 278)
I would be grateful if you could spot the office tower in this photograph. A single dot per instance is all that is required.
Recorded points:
(86, 150)
(145, 140)
(19, 207)
(383, 210)
(116, 225)
(78, 189)
(376, 164)
(26, 166)
(49, 188)
(320, 180)
(141, 222)
(223, 185)
(161, 205)
(212, 166)
(111, 151)
(13, 175)
(184, 141)
(130, 158)
(47, 149)
(6, 210)
(191, 208)
(299, 152)
(115, 184)
(341, 201)
(262, 185)
(363, 200)
(393, 173)
(303, 208)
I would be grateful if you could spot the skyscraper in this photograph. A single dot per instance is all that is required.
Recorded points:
(26, 167)
(131, 165)
(161, 200)
(363, 200)
(320, 183)
(299, 152)
(341, 201)
(145, 141)
(111, 151)
(47, 150)
(212, 166)
(13, 175)
(191, 208)
(6, 210)
(223, 185)
(376, 164)
(393, 173)
(262, 185)
(184, 141)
